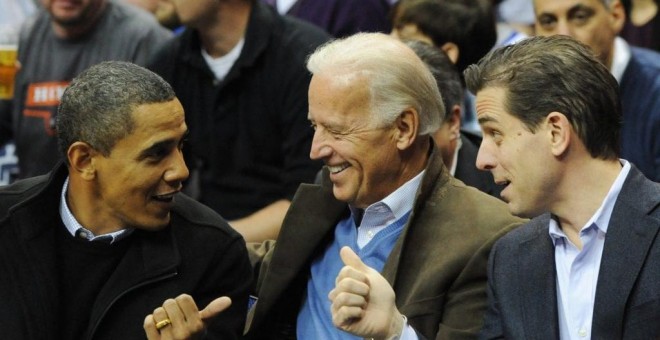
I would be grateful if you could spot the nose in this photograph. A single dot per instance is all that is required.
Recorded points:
(563, 28)
(485, 157)
(177, 172)
(320, 148)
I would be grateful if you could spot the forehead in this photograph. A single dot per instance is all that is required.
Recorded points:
(561, 6)
(158, 120)
(334, 94)
(490, 105)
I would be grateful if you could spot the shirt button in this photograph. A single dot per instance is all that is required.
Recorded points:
(370, 234)
(582, 333)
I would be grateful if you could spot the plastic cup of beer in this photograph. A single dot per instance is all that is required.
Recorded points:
(8, 55)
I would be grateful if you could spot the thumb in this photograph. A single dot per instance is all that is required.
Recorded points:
(215, 307)
(351, 259)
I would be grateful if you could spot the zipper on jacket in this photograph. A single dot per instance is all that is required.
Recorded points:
(140, 285)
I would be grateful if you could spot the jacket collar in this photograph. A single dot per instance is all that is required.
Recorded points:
(436, 176)
(633, 228)
(151, 255)
(536, 268)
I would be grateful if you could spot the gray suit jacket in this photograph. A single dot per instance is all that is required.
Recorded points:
(437, 266)
(522, 278)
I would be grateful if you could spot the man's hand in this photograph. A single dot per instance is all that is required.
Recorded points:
(185, 320)
(363, 301)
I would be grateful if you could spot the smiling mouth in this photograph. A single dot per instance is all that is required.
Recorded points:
(335, 169)
(165, 198)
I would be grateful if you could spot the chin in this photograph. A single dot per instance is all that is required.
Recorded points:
(523, 212)
(154, 223)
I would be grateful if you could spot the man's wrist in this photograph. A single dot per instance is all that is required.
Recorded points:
(398, 325)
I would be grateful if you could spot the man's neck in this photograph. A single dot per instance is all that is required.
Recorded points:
(82, 202)
(582, 192)
(415, 159)
(221, 34)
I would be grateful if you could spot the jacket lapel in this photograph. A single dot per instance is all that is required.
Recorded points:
(36, 232)
(152, 256)
(39, 267)
(538, 289)
(436, 175)
(303, 234)
(630, 234)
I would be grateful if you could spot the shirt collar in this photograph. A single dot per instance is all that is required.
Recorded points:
(396, 204)
(601, 219)
(454, 162)
(620, 58)
(73, 226)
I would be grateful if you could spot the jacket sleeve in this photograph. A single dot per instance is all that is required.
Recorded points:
(466, 300)
(492, 328)
(231, 277)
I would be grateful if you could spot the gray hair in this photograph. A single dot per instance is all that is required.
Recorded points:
(556, 73)
(96, 107)
(397, 78)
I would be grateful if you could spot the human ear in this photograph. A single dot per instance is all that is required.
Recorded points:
(81, 160)
(451, 50)
(617, 16)
(560, 132)
(454, 121)
(406, 126)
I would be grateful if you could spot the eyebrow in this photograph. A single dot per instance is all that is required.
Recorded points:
(571, 11)
(161, 146)
(580, 7)
(486, 119)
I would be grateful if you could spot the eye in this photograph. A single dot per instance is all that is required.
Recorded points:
(547, 22)
(581, 17)
(182, 143)
(493, 134)
(157, 155)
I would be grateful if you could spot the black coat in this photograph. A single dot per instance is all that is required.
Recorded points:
(198, 254)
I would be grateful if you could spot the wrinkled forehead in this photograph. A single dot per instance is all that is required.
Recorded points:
(338, 94)
(556, 6)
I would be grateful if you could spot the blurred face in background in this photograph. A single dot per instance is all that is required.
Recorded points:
(147, 5)
(589, 21)
(194, 13)
(71, 13)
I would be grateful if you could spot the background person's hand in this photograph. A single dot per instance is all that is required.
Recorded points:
(186, 321)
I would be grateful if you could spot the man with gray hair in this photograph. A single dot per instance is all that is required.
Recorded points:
(106, 246)
(588, 265)
(387, 205)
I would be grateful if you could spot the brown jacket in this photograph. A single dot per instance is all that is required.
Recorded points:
(437, 266)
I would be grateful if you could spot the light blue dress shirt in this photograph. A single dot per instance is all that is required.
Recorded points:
(577, 270)
(381, 214)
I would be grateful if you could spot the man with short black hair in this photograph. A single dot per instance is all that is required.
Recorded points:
(106, 246)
